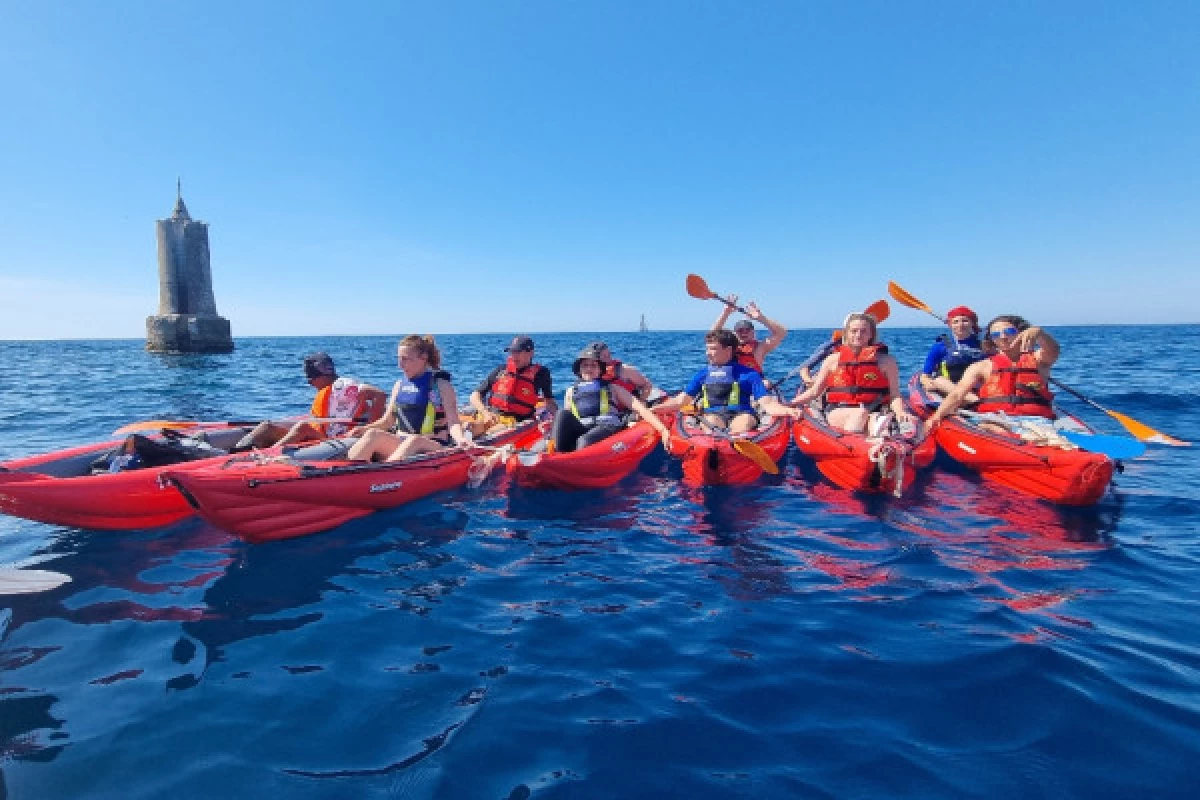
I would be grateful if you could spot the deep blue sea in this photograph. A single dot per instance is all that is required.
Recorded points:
(780, 640)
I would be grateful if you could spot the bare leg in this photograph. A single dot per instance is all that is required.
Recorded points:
(413, 444)
(265, 434)
(302, 432)
(716, 421)
(852, 420)
(943, 386)
(374, 443)
(742, 423)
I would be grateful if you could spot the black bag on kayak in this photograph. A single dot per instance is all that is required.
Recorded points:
(138, 452)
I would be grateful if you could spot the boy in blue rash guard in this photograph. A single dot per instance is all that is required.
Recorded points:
(948, 359)
(729, 395)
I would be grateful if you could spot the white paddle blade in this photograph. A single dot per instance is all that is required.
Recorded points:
(30, 581)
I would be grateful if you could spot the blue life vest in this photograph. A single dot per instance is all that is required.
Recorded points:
(593, 404)
(960, 355)
(419, 404)
(722, 392)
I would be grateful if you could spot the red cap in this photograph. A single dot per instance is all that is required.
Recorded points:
(963, 311)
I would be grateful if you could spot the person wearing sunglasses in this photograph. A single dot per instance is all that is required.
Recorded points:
(951, 354)
(1015, 378)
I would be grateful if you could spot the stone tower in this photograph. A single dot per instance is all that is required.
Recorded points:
(187, 319)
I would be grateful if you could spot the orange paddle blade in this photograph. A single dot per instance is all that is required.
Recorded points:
(153, 425)
(752, 451)
(1144, 432)
(697, 288)
(904, 298)
(880, 310)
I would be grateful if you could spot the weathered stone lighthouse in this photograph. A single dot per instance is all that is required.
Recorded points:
(187, 319)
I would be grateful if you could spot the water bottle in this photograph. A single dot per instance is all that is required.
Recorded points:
(125, 461)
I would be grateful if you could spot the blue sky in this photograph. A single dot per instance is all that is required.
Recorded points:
(554, 165)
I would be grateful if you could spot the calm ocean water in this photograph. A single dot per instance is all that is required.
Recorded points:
(781, 640)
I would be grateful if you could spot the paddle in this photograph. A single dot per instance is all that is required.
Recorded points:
(177, 424)
(743, 447)
(28, 581)
(697, 288)
(182, 424)
(1118, 448)
(1140, 430)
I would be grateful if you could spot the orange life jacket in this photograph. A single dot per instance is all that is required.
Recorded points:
(612, 374)
(513, 392)
(744, 354)
(1017, 389)
(858, 379)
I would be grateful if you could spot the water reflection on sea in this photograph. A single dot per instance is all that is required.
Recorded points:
(781, 639)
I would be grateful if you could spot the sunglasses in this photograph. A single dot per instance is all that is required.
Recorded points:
(1009, 332)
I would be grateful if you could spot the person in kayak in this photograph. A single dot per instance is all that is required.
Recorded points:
(422, 412)
(627, 376)
(337, 398)
(858, 383)
(1014, 379)
(750, 351)
(509, 393)
(728, 395)
(950, 355)
(594, 408)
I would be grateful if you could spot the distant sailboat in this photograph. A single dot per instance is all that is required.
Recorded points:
(642, 328)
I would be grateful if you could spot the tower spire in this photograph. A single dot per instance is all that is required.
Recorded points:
(180, 211)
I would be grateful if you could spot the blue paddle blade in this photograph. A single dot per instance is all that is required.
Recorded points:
(1119, 448)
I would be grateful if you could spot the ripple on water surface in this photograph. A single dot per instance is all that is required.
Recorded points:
(784, 639)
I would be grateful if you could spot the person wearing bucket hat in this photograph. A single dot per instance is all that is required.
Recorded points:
(751, 351)
(627, 376)
(337, 398)
(595, 407)
(952, 353)
(509, 394)
(859, 382)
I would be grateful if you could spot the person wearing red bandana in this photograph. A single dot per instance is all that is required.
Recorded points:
(951, 354)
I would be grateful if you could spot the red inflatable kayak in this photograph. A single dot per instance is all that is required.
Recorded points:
(270, 499)
(710, 458)
(1054, 471)
(859, 463)
(595, 467)
(60, 488)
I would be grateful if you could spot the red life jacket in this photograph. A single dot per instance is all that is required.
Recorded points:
(1017, 389)
(513, 391)
(858, 379)
(744, 354)
(612, 374)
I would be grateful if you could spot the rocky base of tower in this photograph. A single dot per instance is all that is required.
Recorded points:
(188, 333)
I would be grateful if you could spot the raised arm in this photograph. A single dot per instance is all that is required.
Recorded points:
(775, 337)
(726, 310)
(1044, 346)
